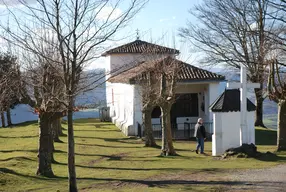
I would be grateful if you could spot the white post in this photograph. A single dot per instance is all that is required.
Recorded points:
(245, 136)
(243, 106)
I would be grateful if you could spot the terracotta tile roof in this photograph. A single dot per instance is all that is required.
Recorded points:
(186, 72)
(229, 101)
(140, 46)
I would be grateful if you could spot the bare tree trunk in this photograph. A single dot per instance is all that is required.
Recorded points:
(60, 129)
(56, 126)
(281, 126)
(45, 146)
(167, 139)
(149, 138)
(259, 108)
(3, 119)
(71, 155)
(8, 114)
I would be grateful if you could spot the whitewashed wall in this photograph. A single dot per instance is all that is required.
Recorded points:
(227, 131)
(211, 95)
(137, 108)
(122, 108)
(125, 109)
(251, 127)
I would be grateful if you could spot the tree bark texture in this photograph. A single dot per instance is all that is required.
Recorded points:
(3, 119)
(60, 130)
(8, 114)
(45, 146)
(281, 126)
(259, 108)
(147, 124)
(167, 139)
(71, 155)
(56, 126)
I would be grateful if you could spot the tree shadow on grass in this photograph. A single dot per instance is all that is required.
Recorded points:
(150, 182)
(10, 171)
(108, 146)
(32, 151)
(23, 137)
(116, 158)
(131, 140)
(265, 137)
(87, 137)
(18, 158)
(96, 130)
(182, 182)
(271, 157)
(127, 140)
(21, 125)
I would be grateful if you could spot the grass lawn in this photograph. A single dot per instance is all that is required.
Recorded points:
(106, 160)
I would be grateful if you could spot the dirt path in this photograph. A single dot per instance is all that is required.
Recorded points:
(268, 180)
(254, 180)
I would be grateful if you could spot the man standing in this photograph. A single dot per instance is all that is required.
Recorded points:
(200, 134)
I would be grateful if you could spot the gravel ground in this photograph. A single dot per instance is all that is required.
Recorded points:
(250, 180)
(268, 180)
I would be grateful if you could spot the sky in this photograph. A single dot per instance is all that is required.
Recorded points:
(157, 22)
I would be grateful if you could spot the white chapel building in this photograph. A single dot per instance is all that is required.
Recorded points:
(196, 89)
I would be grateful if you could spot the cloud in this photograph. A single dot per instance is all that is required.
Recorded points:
(110, 12)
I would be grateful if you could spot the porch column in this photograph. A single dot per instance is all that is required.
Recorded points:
(213, 93)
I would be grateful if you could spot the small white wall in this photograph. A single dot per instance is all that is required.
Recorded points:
(227, 131)
(217, 147)
(251, 127)
(211, 95)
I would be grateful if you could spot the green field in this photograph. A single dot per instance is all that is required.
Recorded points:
(106, 160)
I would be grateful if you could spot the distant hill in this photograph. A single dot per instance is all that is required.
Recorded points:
(97, 96)
(91, 99)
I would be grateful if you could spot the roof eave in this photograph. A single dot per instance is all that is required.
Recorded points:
(228, 111)
(201, 80)
(177, 52)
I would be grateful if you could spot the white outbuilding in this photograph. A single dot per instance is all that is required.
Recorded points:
(196, 89)
(227, 124)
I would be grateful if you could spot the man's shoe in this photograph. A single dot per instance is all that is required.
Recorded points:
(197, 152)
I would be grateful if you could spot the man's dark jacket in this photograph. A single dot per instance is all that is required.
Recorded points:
(200, 131)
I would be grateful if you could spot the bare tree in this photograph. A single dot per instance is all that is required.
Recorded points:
(9, 85)
(148, 104)
(168, 72)
(157, 79)
(233, 33)
(277, 74)
(47, 90)
(277, 93)
(81, 27)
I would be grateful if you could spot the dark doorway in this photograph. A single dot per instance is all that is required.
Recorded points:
(186, 105)
(156, 113)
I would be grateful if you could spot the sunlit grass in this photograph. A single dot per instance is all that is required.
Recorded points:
(106, 160)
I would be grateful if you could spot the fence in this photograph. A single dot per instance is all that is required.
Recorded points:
(181, 130)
